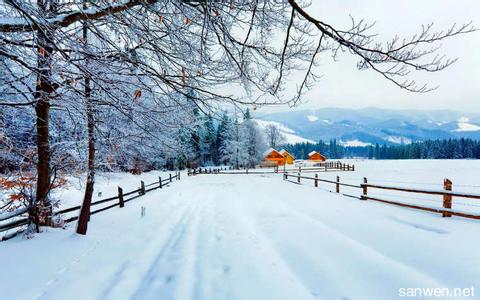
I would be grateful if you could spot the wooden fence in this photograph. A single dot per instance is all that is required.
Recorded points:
(446, 193)
(321, 167)
(118, 200)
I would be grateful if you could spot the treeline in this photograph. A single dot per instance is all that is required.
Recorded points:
(227, 141)
(331, 150)
(204, 140)
(429, 149)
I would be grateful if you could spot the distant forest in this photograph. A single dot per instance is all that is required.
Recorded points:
(430, 149)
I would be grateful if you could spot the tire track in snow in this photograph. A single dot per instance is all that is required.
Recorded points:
(159, 278)
(143, 264)
(232, 260)
(270, 267)
(212, 266)
(47, 292)
(335, 240)
(117, 279)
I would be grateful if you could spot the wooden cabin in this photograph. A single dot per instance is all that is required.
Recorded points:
(289, 159)
(272, 156)
(315, 156)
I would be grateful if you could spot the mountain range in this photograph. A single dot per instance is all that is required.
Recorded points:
(361, 127)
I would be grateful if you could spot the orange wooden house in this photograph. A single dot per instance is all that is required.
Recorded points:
(315, 156)
(289, 159)
(273, 157)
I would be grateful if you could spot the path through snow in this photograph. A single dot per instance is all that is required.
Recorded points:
(245, 237)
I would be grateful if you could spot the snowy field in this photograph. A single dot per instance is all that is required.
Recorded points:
(253, 237)
(105, 186)
(417, 174)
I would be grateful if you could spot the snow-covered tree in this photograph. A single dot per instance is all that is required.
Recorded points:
(254, 140)
(207, 141)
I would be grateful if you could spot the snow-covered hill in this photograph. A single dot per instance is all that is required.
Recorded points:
(290, 136)
(373, 125)
(465, 125)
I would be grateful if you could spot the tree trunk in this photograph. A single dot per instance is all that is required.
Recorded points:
(42, 212)
(87, 198)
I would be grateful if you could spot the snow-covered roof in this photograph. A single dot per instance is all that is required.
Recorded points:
(284, 152)
(268, 151)
(312, 153)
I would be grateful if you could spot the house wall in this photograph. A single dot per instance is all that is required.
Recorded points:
(277, 158)
(317, 157)
(289, 160)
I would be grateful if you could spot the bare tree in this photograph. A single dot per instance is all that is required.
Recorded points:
(274, 136)
(84, 216)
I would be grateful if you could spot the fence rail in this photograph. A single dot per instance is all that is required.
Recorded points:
(447, 194)
(321, 167)
(18, 223)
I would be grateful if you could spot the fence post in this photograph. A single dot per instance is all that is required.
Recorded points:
(170, 177)
(160, 181)
(364, 188)
(326, 167)
(178, 175)
(120, 197)
(142, 187)
(246, 171)
(353, 167)
(337, 185)
(447, 199)
(298, 178)
(316, 180)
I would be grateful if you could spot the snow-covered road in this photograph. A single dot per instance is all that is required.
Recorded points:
(245, 237)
